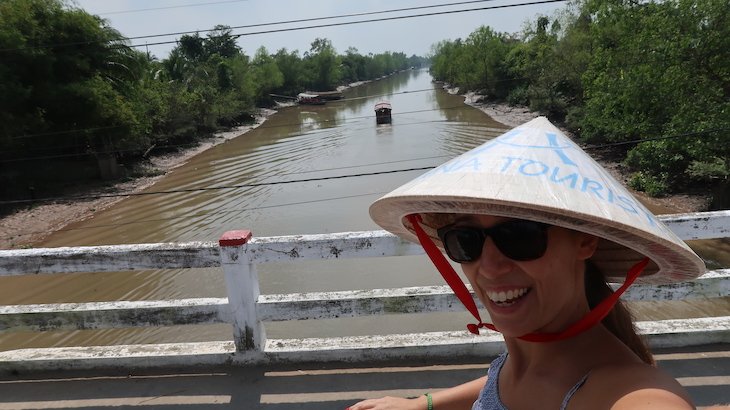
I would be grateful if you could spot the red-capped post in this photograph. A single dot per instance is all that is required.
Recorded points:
(242, 283)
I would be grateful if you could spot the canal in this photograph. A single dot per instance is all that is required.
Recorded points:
(307, 169)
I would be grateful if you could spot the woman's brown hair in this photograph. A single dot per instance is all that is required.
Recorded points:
(619, 320)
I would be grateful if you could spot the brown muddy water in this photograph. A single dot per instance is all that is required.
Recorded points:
(340, 138)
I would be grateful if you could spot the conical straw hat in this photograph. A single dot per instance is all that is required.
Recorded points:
(535, 172)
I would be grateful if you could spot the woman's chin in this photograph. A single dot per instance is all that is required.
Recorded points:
(510, 330)
(513, 333)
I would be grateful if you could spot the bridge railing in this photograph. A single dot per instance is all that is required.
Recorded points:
(239, 254)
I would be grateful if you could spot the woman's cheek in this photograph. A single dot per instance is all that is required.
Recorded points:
(471, 276)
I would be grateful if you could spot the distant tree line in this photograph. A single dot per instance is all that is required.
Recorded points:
(75, 96)
(613, 72)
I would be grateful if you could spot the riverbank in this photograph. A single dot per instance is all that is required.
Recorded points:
(512, 116)
(26, 227)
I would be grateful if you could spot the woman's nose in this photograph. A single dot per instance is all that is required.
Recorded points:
(492, 261)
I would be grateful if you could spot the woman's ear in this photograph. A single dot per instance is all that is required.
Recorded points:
(587, 245)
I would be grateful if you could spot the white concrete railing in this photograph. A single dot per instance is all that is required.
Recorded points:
(246, 310)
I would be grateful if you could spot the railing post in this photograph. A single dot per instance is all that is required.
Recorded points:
(242, 283)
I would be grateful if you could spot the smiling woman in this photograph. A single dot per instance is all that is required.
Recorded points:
(538, 256)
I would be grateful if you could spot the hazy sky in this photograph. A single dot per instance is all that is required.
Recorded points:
(412, 36)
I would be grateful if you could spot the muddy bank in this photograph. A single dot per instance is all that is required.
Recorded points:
(26, 227)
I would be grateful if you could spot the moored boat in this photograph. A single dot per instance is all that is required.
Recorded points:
(309, 99)
(327, 95)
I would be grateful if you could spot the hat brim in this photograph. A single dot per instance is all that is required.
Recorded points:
(471, 184)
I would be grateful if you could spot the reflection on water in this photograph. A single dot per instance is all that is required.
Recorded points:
(245, 183)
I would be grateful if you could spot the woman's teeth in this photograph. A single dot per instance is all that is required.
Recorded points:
(508, 297)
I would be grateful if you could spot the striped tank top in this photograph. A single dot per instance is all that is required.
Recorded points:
(489, 396)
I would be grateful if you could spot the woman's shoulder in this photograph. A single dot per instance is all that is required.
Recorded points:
(632, 386)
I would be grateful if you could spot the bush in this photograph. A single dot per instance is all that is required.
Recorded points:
(655, 186)
(714, 168)
(518, 96)
(574, 119)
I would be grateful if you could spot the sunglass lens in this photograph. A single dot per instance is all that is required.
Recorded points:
(463, 244)
(521, 240)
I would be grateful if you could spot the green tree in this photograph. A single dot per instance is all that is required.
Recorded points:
(662, 69)
(444, 56)
(484, 54)
(323, 63)
(220, 41)
(65, 76)
(548, 65)
(292, 69)
(353, 66)
(243, 82)
(267, 76)
(192, 47)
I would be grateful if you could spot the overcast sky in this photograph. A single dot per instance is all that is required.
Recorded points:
(412, 35)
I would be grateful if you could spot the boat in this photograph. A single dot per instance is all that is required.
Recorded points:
(309, 99)
(382, 112)
(327, 95)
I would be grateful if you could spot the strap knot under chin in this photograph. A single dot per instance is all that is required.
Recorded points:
(474, 328)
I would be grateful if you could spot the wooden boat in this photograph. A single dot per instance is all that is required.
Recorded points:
(382, 112)
(309, 99)
(327, 95)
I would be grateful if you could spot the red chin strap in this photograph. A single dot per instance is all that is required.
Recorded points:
(457, 285)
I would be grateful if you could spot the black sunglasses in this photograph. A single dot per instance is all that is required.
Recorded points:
(517, 239)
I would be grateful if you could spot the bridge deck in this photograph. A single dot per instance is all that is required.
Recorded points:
(704, 371)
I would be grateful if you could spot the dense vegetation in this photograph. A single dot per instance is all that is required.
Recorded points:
(613, 72)
(74, 94)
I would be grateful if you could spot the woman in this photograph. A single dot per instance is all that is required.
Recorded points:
(535, 225)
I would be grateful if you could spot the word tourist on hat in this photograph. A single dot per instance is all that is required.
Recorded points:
(540, 229)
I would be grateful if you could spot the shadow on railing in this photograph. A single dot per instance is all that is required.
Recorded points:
(246, 310)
